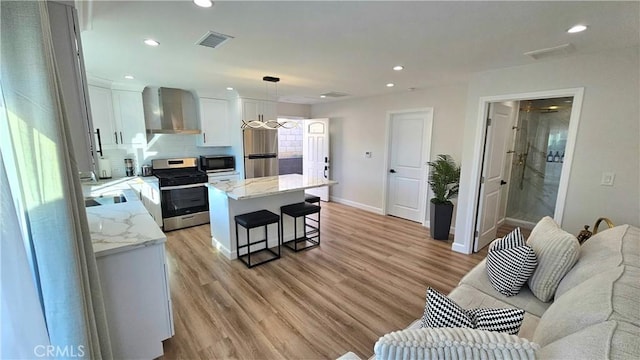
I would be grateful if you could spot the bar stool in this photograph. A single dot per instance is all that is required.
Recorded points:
(252, 220)
(311, 198)
(311, 232)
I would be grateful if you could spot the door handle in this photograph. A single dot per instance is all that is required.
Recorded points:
(502, 182)
(392, 171)
(325, 172)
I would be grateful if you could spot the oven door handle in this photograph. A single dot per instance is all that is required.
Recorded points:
(178, 187)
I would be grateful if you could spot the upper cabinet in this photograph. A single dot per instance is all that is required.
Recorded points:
(129, 117)
(67, 48)
(263, 110)
(214, 123)
(102, 115)
(118, 115)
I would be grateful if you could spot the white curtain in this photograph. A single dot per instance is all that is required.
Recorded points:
(47, 188)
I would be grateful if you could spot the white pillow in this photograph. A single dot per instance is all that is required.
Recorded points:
(452, 344)
(557, 251)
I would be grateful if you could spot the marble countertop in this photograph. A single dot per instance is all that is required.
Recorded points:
(270, 185)
(123, 226)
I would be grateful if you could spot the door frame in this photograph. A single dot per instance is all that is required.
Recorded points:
(479, 142)
(426, 154)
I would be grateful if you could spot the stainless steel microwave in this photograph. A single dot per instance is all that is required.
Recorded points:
(217, 163)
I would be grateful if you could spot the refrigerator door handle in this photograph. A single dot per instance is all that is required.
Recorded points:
(262, 156)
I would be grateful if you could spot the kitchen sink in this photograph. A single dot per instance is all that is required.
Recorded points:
(104, 199)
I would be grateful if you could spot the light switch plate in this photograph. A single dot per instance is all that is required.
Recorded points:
(607, 179)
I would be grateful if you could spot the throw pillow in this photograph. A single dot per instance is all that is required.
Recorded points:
(510, 263)
(440, 311)
(452, 344)
(499, 320)
(557, 251)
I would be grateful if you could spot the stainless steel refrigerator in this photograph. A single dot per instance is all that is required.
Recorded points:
(260, 153)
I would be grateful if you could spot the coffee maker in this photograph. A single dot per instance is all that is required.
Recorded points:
(128, 166)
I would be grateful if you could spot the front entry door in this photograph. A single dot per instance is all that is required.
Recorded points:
(495, 151)
(315, 154)
(410, 135)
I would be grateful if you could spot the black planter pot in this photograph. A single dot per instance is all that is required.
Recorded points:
(440, 221)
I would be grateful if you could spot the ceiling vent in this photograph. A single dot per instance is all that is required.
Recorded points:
(552, 51)
(213, 39)
(334, 94)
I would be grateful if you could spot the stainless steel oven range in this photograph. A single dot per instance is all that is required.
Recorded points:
(184, 197)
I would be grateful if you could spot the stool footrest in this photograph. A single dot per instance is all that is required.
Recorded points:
(293, 244)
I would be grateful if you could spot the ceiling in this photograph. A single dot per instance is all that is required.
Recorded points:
(349, 47)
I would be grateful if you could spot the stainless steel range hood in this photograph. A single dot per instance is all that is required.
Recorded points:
(169, 111)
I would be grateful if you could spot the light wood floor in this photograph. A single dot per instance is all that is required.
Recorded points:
(368, 277)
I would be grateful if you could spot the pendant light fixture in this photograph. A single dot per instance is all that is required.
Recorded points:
(272, 124)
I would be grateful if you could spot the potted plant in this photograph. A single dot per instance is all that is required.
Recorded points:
(444, 179)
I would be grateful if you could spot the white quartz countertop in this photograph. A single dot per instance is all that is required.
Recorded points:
(270, 185)
(123, 226)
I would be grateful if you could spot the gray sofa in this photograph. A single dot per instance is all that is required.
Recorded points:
(595, 313)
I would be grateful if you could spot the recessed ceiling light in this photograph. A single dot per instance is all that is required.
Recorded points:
(323, 96)
(391, 85)
(203, 3)
(577, 28)
(129, 77)
(553, 107)
(229, 88)
(568, 101)
(151, 42)
(398, 67)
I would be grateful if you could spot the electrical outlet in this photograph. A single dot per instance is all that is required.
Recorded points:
(607, 179)
(367, 154)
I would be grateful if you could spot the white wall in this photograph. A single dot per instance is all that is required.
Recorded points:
(607, 140)
(359, 125)
(294, 110)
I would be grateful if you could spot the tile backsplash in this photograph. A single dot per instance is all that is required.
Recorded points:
(161, 146)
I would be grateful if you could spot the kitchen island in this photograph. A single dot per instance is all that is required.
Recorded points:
(228, 199)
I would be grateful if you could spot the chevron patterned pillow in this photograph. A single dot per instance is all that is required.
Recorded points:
(510, 263)
(440, 311)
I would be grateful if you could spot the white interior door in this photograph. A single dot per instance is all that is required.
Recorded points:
(410, 135)
(315, 153)
(495, 155)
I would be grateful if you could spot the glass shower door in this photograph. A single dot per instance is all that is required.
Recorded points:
(540, 141)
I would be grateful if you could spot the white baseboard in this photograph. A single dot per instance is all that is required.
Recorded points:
(460, 248)
(357, 205)
(226, 252)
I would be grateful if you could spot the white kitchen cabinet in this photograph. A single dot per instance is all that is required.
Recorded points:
(101, 104)
(150, 197)
(119, 115)
(253, 109)
(137, 301)
(129, 117)
(214, 123)
(67, 48)
(213, 178)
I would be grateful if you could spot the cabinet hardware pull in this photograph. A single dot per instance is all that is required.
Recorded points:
(121, 142)
(115, 134)
(204, 138)
(99, 142)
